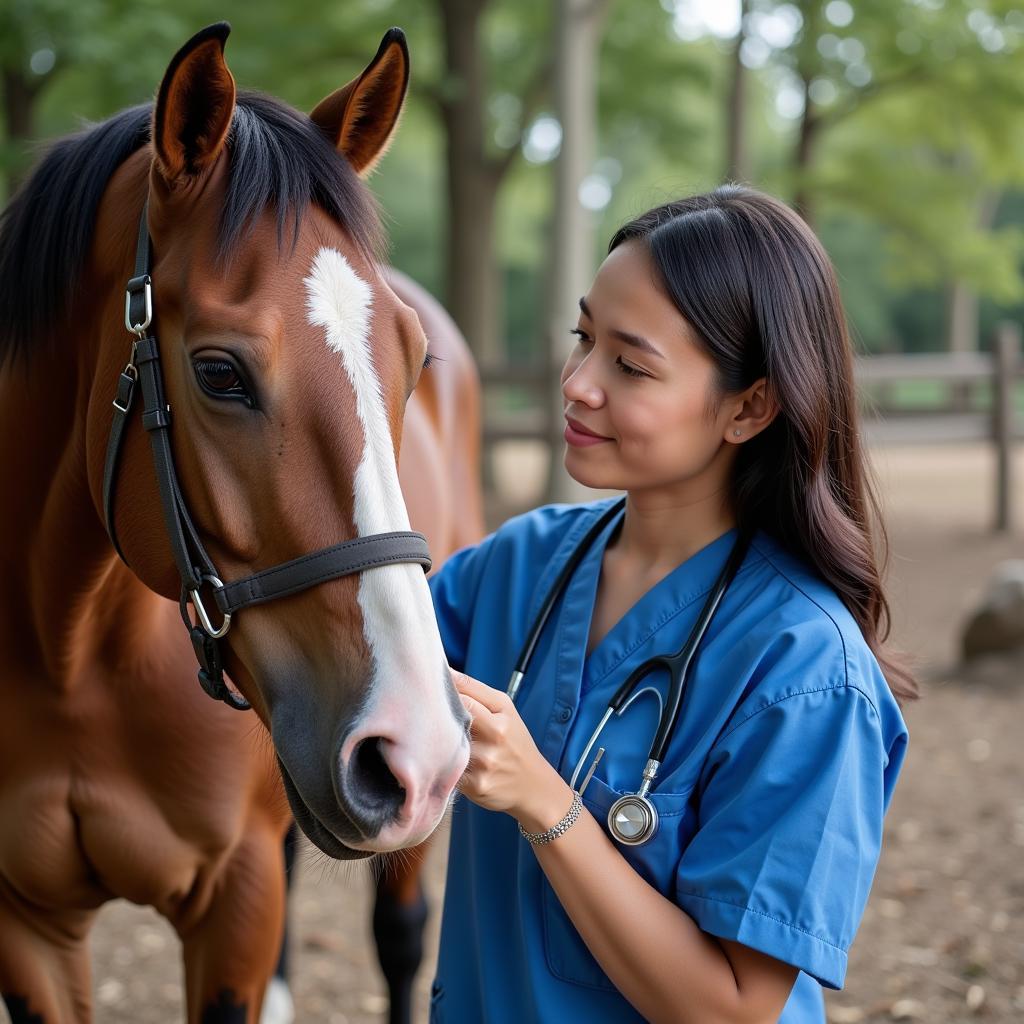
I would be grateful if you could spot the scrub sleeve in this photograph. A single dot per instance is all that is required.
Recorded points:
(789, 829)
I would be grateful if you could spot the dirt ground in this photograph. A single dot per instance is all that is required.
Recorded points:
(943, 936)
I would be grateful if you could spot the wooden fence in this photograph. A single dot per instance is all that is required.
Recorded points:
(980, 392)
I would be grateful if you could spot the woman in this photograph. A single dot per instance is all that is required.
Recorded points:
(711, 381)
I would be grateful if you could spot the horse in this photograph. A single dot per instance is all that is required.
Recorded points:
(205, 377)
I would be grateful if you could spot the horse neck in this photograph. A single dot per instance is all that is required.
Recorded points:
(64, 586)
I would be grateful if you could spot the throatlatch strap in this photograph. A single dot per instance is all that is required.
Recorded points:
(136, 312)
(122, 407)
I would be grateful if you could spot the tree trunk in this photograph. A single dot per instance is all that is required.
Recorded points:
(962, 307)
(737, 167)
(578, 37)
(804, 159)
(961, 299)
(810, 123)
(472, 184)
(961, 318)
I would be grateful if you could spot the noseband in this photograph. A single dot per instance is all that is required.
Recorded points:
(194, 564)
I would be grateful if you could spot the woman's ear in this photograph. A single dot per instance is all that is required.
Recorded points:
(754, 409)
(360, 118)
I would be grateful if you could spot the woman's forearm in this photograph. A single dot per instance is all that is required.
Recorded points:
(652, 950)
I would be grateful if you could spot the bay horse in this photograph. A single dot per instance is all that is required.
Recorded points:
(214, 260)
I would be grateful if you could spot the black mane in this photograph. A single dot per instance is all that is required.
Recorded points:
(278, 160)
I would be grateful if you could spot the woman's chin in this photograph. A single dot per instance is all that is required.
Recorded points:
(587, 475)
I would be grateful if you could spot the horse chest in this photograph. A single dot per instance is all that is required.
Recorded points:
(109, 802)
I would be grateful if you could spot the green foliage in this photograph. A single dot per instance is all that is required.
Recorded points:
(915, 170)
(916, 109)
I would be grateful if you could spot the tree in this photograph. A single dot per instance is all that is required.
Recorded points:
(578, 36)
(911, 115)
(475, 172)
(737, 162)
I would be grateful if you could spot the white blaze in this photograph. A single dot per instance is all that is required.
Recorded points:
(398, 620)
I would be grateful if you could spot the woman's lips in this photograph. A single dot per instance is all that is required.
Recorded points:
(579, 437)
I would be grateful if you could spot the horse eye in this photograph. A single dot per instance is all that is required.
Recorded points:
(219, 378)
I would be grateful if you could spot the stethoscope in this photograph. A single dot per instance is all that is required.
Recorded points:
(633, 819)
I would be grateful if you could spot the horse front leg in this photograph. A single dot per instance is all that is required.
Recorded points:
(399, 917)
(231, 951)
(44, 963)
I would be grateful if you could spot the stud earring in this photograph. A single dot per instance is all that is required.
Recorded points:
(736, 433)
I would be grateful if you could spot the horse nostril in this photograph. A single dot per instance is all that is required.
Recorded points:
(371, 784)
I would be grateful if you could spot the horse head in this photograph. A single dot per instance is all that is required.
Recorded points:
(287, 362)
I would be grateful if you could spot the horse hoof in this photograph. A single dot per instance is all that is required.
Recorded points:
(278, 1005)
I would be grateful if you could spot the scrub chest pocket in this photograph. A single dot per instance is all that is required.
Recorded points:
(655, 861)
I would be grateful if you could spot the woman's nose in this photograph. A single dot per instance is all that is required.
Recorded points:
(579, 385)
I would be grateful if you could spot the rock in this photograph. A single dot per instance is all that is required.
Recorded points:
(975, 998)
(907, 1009)
(998, 623)
(891, 909)
(979, 750)
(323, 942)
(845, 1015)
(370, 1002)
(909, 831)
(110, 992)
(919, 956)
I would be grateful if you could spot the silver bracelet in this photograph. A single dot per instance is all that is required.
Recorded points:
(540, 838)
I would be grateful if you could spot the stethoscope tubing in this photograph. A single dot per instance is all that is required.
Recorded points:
(679, 664)
(633, 819)
(544, 613)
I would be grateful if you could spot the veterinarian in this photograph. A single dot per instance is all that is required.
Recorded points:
(713, 863)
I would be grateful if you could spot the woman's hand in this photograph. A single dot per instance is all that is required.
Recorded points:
(506, 770)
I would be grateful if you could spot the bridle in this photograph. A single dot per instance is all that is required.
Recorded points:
(194, 564)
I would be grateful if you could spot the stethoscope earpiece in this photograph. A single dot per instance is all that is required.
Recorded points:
(632, 820)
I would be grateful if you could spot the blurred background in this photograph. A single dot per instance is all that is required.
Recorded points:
(532, 130)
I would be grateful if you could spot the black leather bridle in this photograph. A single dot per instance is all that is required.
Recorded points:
(194, 564)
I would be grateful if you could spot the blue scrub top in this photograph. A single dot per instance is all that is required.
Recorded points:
(770, 798)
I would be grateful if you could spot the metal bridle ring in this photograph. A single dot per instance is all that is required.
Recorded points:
(147, 294)
(204, 619)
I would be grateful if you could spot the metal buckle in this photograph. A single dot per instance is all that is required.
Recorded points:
(204, 619)
(147, 290)
(131, 370)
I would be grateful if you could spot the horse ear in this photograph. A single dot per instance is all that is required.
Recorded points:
(194, 106)
(360, 117)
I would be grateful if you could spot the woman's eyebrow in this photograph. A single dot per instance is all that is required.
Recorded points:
(633, 340)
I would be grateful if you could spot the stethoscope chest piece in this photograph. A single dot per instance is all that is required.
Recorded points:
(632, 819)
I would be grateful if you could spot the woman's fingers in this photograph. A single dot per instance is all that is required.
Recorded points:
(494, 700)
(502, 750)
(477, 711)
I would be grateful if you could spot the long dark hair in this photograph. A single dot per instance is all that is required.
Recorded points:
(753, 281)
